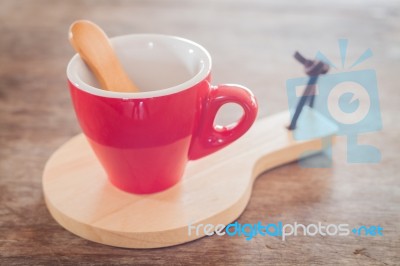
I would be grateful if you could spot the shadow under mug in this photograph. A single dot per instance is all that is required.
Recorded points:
(144, 140)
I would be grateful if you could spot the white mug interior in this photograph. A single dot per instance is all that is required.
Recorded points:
(158, 64)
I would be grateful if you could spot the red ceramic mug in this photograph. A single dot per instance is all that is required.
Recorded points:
(144, 140)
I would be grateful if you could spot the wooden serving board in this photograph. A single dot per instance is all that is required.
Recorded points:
(214, 190)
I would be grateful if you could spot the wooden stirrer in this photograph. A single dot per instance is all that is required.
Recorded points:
(94, 47)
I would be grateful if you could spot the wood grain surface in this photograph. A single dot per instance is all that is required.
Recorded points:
(251, 43)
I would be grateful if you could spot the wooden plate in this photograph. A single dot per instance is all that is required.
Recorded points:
(214, 190)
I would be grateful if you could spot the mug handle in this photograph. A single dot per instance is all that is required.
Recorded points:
(210, 138)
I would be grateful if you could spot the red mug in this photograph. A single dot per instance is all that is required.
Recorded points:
(144, 140)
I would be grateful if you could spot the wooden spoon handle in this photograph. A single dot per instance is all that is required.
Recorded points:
(94, 47)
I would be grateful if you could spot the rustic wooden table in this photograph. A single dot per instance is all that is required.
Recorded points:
(252, 44)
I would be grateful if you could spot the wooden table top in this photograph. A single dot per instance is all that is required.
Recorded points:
(251, 43)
